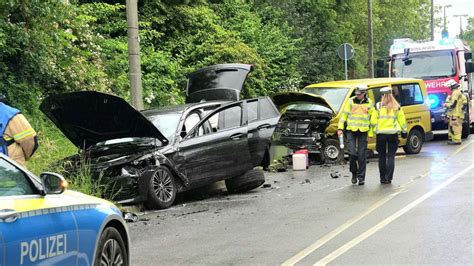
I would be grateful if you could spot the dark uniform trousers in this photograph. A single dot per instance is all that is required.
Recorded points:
(357, 146)
(386, 146)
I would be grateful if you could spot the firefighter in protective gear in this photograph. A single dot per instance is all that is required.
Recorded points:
(19, 140)
(455, 104)
(386, 122)
(355, 120)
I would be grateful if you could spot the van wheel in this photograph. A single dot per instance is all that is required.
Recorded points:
(331, 151)
(250, 180)
(161, 189)
(414, 142)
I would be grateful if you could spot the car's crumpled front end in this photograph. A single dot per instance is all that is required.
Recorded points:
(119, 171)
(304, 120)
(303, 129)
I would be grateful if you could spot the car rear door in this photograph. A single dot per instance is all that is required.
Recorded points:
(217, 147)
(263, 117)
(34, 229)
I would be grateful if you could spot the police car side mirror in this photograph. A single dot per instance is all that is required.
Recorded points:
(53, 183)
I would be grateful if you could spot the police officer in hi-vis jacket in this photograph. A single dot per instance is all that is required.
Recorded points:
(355, 120)
(18, 139)
(386, 122)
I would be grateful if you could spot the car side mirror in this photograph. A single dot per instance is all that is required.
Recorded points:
(182, 134)
(469, 67)
(467, 55)
(407, 62)
(53, 183)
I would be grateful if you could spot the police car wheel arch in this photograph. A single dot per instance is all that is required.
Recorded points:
(118, 223)
(111, 249)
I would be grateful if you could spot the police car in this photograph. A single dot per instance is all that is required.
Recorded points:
(42, 223)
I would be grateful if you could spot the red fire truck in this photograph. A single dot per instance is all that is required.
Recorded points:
(436, 62)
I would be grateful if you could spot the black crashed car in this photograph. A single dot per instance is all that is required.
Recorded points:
(305, 122)
(152, 155)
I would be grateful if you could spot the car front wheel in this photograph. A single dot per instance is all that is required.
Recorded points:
(111, 249)
(162, 189)
(331, 151)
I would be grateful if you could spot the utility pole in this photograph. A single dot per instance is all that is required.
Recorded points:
(370, 39)
(134, 55)
(432, 20)
(460, 23)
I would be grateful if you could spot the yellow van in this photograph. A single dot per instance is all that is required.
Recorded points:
(309, 118)
(410, 93)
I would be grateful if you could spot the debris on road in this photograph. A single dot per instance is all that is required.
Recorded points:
(335, 174)
(130, 217)
(188, 213)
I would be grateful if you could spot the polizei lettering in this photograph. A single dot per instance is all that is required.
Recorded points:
(43, 248)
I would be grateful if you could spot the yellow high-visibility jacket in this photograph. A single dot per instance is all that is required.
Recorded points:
(356, 116)
(384, 121)
(455, 103)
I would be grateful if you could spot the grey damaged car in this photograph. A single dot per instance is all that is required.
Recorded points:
(152, 155)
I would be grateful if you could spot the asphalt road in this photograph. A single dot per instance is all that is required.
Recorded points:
(308, 218)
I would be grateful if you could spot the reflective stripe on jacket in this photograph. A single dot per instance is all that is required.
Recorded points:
(6, 114)
(458, 100)
(384, 121)
(356, 116)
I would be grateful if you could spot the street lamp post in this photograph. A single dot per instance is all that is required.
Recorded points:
(460, 23)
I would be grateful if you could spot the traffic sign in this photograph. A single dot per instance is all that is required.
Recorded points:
(345, 51)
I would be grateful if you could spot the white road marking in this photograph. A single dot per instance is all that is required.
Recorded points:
(388, 220)
(305, 252)
(320, 242)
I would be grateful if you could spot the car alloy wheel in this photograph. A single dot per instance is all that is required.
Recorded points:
(112, 254)
(163, 185)
(111, 249)
(162, 189)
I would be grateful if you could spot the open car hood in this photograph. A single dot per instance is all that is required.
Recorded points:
(284, 99)
(217, 82)
(89, 117)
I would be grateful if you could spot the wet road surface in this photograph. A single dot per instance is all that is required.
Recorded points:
(308, 218)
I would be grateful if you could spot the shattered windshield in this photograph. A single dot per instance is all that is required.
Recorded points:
(432, 64)
(167, 123)
(334, 96)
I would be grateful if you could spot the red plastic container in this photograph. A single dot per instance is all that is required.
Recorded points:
(306, 153)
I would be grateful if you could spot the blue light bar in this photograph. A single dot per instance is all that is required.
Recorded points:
(433, 100)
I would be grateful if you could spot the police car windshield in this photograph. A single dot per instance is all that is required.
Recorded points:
(429, 64)
(334, 96)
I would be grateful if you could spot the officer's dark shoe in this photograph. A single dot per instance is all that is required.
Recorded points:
(385, 181)
(354, 178)
(453, 143)
(361, 182)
